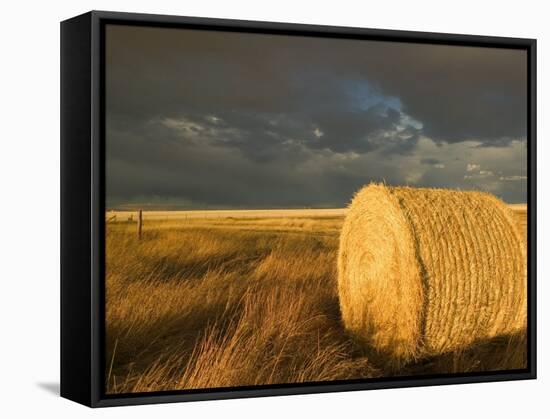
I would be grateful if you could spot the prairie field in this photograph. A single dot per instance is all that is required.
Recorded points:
(209, 299)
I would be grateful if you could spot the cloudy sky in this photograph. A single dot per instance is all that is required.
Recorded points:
(201, 119)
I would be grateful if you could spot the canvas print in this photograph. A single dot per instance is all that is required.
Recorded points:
(296, 209)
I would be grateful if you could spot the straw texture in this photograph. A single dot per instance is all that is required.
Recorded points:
(427, 271)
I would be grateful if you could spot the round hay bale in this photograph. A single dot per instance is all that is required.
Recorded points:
(427, 271)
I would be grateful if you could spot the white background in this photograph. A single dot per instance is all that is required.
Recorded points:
(29, 214)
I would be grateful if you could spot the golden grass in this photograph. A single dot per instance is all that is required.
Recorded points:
(430, 271)
(230, 301)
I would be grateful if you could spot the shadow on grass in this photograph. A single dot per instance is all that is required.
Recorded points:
(500, 353)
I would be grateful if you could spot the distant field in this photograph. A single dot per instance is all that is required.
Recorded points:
(263, 213)
(268, 213)
(268, 219)
(229, 298)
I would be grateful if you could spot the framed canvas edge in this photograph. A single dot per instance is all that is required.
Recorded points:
(76, 184)
(97, 188)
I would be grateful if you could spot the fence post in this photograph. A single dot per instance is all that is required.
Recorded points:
(140, 223)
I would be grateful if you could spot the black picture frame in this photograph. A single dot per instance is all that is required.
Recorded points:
(83, 205)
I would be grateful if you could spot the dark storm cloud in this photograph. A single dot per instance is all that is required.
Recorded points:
(227, 119)
(459, 93)
(212, 174)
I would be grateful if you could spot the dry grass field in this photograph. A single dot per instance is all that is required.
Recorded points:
(217, 299)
